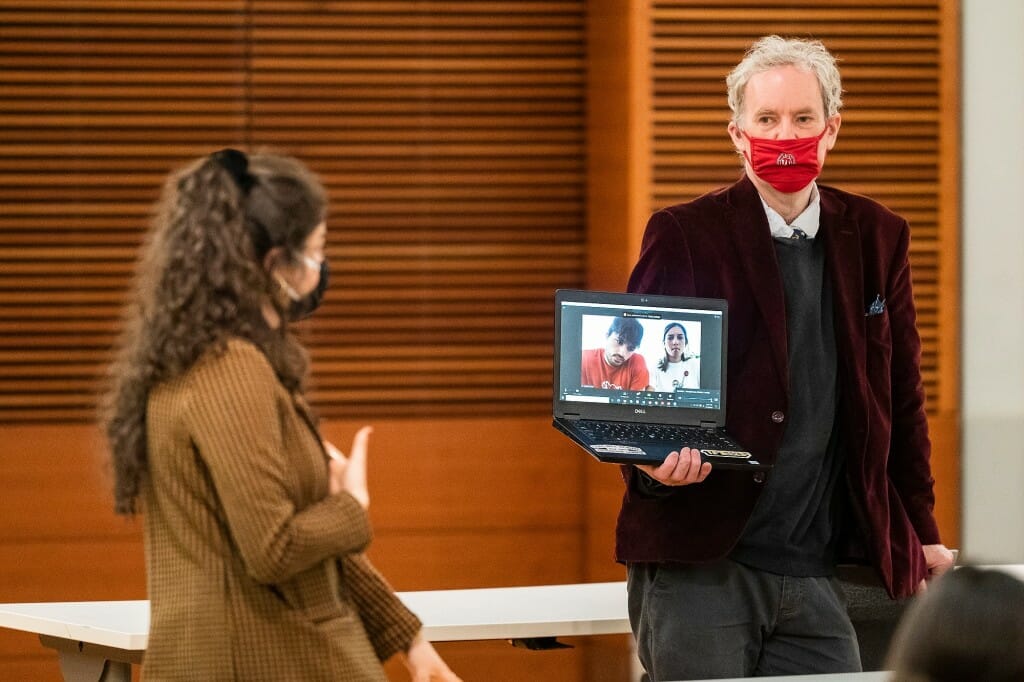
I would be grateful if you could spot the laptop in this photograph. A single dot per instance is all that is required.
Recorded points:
(639, 376)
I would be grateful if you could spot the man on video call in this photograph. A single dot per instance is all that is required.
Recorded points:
(617, 365)
(732, 574)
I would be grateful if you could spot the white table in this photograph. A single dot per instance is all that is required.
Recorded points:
(100, 640)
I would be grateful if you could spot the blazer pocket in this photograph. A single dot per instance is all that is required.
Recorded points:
(877, 329)
(878, 342)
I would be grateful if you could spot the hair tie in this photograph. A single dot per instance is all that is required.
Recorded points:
(236, 163)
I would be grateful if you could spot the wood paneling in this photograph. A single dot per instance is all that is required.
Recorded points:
(100, 101)
(468, 473)
(450, 136)
(39, 668)
(72, 570)
(489, 557)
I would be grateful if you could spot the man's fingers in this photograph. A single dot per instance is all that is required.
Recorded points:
(667, 470)
(679, 468)
(688, 468)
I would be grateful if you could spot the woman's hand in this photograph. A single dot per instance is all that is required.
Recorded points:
(425, 664)
(348, 474)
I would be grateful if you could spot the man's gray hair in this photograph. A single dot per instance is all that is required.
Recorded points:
(772, 51)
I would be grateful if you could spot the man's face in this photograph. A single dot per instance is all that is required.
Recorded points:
(784, 103)
(616, 353)
(674, 344)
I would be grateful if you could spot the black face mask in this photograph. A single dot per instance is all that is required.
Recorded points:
(305, 306)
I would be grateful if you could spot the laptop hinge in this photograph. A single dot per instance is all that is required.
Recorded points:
(571, 417)
(711, 426)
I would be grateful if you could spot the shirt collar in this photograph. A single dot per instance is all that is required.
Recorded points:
(808, 221)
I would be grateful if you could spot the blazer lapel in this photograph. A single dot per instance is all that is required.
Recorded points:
(305, 412)
(843, 258)
(752, 240)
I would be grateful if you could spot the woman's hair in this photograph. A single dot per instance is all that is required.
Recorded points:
(968, 625)
(773, 51)
(663, 363)
(200, 281)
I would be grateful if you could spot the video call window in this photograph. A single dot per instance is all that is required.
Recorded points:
(640, 354)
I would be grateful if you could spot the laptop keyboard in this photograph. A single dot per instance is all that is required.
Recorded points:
(629, 432)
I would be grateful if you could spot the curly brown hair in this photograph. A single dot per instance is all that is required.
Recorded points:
(199, 282)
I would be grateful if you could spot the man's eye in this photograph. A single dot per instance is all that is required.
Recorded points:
(630, 347)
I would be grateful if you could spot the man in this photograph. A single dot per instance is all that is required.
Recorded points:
(730, 573)
(615, 366)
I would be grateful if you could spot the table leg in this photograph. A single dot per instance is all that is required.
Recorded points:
(81, 662)
(77, 667)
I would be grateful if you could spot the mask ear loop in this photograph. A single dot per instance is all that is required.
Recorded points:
(287, 288)
(270, 261)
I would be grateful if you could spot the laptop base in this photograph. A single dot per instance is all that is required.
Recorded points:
(652, 453)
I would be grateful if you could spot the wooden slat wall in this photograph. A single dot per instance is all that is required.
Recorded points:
(450, 135)
(100, 100)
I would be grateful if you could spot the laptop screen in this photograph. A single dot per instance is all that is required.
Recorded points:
(656, 352)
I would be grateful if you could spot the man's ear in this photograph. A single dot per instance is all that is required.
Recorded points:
(832, 129)
(734, 133)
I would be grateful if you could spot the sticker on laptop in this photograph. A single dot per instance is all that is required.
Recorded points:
(618, 449)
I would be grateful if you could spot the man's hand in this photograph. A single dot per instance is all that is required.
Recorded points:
(679, 468)
(939, 560)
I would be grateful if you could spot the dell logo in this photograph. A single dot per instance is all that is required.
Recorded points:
(639, 410)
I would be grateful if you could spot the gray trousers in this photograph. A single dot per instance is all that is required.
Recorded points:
(729, 620)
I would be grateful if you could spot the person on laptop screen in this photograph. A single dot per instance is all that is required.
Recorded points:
(678, 367)
(617, 365)
(732, 573)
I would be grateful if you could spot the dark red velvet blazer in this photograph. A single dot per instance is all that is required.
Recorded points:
(720, 246)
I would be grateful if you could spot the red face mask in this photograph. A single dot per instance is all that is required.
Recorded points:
(786, 165)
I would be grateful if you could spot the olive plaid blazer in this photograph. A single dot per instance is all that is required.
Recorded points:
(254, 571)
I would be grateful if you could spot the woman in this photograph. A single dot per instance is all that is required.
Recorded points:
(254, 528)
(677, 368)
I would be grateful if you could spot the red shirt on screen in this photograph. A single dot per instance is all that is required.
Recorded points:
(632, 375)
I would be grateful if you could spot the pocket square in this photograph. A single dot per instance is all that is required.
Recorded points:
(877, 306)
